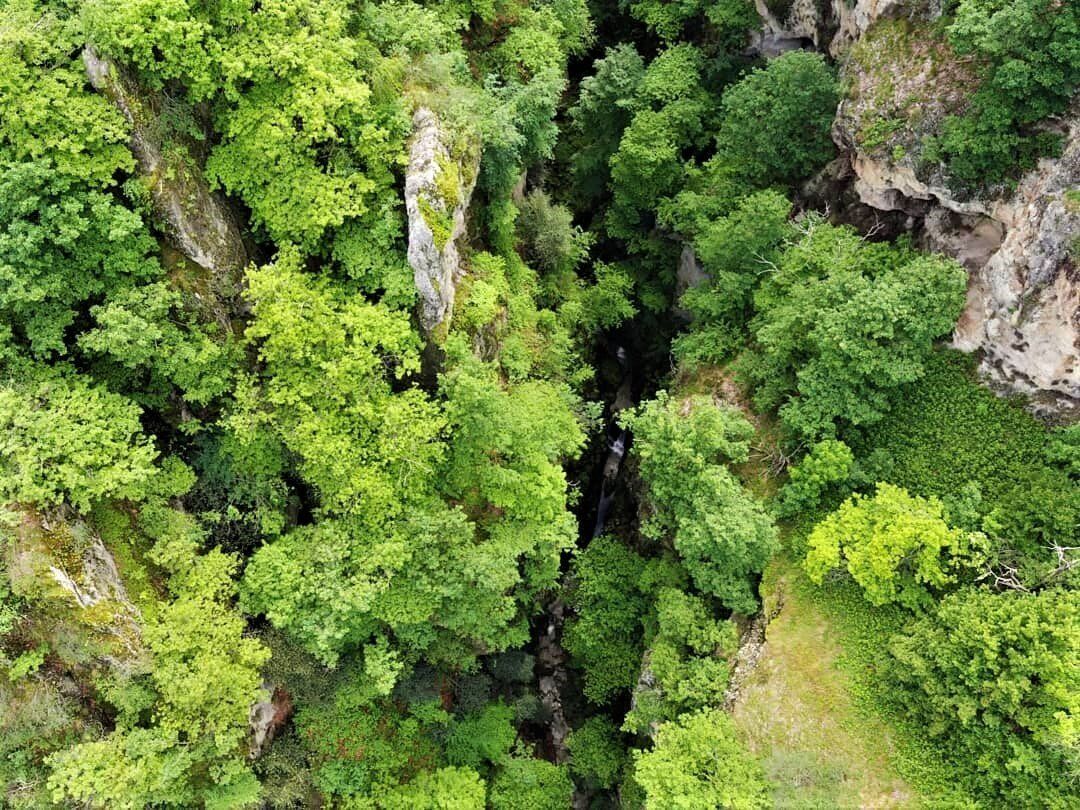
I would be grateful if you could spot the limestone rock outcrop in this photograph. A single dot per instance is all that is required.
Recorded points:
(439, 184)
(1020, 245)
(71, 581)
(830, 26)
(196, 221)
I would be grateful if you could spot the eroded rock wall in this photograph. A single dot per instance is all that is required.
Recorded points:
(1020, 245)
(196, 221)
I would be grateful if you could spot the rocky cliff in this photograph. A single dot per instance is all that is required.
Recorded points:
(1020, 245)
(438, 187)
(195, 221)
(74, 591)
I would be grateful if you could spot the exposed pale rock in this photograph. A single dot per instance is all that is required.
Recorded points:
(831, 27)
(1019, 246)
(196, 221)
(438, 187)
(689, 274)
(267, 716)
(88, 593)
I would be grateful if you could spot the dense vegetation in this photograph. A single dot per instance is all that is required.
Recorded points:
(271, 539)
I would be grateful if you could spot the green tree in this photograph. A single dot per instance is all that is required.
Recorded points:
(603, 109)
(609, 598)
(826, 468)
(525, 783)
(1030, 62)
(722, 533)
(842, 323)
(67, 440)
(791, 101)
(698, 762)
(689, 656)
(734, 251)
(327, 392)
(996, 677)
(444, 789)
(597, 754)
(896, 546)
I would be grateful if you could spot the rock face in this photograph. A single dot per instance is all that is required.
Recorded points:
(196, 221)
(266, 717)
(1023, 304)
(69, 577)
(828, 25)
(1020, 246)
(438, 187)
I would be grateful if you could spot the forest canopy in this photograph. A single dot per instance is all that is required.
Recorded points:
(413, 404)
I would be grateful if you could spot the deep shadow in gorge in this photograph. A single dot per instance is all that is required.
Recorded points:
(629, 366)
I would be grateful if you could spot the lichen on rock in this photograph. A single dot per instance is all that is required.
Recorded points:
(438, 187)
(196, 221)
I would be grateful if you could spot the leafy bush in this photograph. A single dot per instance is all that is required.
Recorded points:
(63, 439)
(605, 638)
(996, 677)
(721, 531)
(1031, 66)
(946, 430)
(896, 546)
(791, 101)
(531, 784)
(597, 754)
(826, 468)
(842, 324)
(696, 762)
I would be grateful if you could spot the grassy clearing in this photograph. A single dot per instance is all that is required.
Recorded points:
(798, 713)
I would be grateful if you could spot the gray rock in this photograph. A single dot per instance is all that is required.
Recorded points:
(1020, 246)
(194, 220)
(436, 223)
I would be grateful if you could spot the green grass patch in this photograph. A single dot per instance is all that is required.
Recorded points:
(819, 716)
(947, 430)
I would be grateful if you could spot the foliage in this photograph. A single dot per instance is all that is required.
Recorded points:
(67, 440)
(842, 324)
(689, 656)
(945, 430)
(482, 738)
(1034, 521)
(361, 745)
(531, 784)
(327, 394)
(596, 752)
(898, 547)
(551, 241)
(603, 109)
(792, 102)
(1031, 67)
(734, 251)
(140, 328)
(671, 110)
(696, 762)
(995, 676)
(826, 468)
(444, 789)
(610, 602)
(732, 19)
(722, 533)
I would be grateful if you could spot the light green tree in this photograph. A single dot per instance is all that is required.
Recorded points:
(896, 546)
(696, 762)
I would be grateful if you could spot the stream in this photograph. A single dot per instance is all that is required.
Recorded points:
(604, 485)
